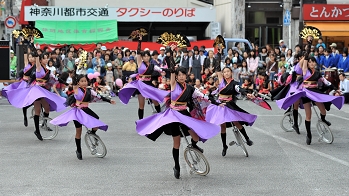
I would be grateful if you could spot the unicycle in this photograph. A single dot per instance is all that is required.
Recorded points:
(324, 131)
(195, 159)
(47, 130)
(287, 121)
(95, 144)
(239, 141)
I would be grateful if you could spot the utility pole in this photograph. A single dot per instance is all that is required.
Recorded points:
(301, 21)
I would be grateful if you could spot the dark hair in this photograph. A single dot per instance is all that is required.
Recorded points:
(254, 54)
(98, 51)
(342, 74)
(243, 61)
(53, 52)
(144, 53)
(50, 61)
(227, 59)
(297, 46)
(313, 59)
(102, 80)
(77, 78)
(236, 44)
(42, 56)
(230, 49)
(226, 68)
(63, 77)
(321, 47)
(182, 70)
(107, 55)
(99, 43)
(328, 50)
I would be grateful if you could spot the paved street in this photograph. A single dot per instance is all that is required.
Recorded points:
(280, 163)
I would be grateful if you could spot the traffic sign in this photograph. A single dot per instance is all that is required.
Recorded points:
(10, 22)
(287, 18)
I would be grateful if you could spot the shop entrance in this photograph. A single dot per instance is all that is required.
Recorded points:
(262, 35)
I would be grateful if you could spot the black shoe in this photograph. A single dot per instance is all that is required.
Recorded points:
(176, 173)
(79, 155)
(224, 151)
(198, 148)
(296, 128)
(38, 135)
(249, 142)
(308, 140)
(326, 122)
(25, 121)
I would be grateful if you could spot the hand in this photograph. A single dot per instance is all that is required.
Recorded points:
(112, 102)
(202, 72)
(222, 104)
(251, 96)
(173, 47)
(140, 37)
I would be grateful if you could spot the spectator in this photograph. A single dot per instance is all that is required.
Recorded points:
(50, 67)
(272, 70)
(252, 64)
(262, 58)
(109, 76)
(327, 60)
(204, 50)
(335, 54)
(56, 61)
(155, 60)
(282, 62)
(130, 66)
(210, 62)
(230, 54)
(205, 76)
(289, 58)
(162, 85)
(98, 46)
(198, 85)
(127, 55)
(297, 49)
(98, 63)
(68, 63)
(89, 60)
(343, 88)
(118, 66)
(236, 72)
(103, 51)
(320, 43)
(13, 63)
(283, 50)
(244, 74)
(238, 49)
(344, 61)
(168, 84)
(321, 51)
(162, 54)
(184, 62)
(227, 62)
(282, 43)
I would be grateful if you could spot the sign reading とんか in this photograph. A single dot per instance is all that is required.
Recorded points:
(121, 14)
(338, 12)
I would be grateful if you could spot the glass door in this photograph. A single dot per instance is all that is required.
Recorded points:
(262, 35)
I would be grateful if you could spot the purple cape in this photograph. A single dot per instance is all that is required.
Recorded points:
(150, 124)
(23, 97)
(80, 116)
(218, 115)
(14, 86)
(146, 91)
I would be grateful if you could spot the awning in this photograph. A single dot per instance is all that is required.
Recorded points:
(77, 32)
(21, 17)
(331, 28)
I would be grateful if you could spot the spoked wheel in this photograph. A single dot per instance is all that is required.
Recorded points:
(95, 145)
(324, 132)
(239, 142)
(196, 161)
(287, 121)
(33, 113)
(47, 130)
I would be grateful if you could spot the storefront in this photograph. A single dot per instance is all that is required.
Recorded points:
(192, 22)
(331, 19)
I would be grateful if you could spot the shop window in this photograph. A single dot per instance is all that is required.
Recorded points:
(272, 20)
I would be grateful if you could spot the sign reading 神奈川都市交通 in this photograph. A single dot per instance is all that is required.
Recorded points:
(129, 14)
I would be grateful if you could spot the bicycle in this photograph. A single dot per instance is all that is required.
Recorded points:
(287, 121)
(95, 144)
(239, 141)
(46, 132)
(195, 159)
(323, 130)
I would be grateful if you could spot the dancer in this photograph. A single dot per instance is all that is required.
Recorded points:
(224, 111)
(310, 91)
(25, 76)
(177, 117)
(143, 86)
(80, 113)
(37, 94)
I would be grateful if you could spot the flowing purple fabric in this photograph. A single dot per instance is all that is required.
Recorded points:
(286, 102)
(14, 86)
(150, 124)
(147, 91)
(21, 98)
(218, 115)
(80, 116)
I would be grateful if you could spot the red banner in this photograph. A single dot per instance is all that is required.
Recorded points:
(132, 45)
(322, 12)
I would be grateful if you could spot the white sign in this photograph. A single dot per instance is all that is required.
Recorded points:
(122, 14)
(287, 18)
(215, 29)
(10, 24)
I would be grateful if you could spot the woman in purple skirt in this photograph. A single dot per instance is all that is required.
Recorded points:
(310, 92)
(28, 71)
(177, 117)
(38, 93)
(143, 85)
(80, 113)
(224, 111)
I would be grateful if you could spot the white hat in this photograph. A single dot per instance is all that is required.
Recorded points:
(77, 60)
(109, 65)
(162, 48)
(11, 51)
(333, 45)
(103, 48)
(125, 49)
(146, 49)
(281, 41)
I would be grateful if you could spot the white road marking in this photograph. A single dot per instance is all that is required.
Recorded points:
(338, 116)
(345, 163)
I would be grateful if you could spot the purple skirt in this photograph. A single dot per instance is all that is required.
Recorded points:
(23, 97)
(286, 102)
(145, 90)
(14, 86)
(80, 116)
(152, 123)
(218, 115)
